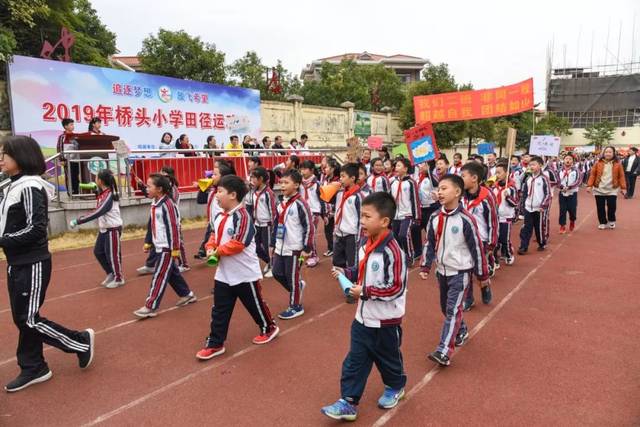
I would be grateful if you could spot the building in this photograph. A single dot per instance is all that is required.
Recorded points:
(407, 67)
(131, 63)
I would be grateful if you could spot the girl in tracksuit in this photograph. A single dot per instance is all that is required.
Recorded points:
(165, 241)
(310, 191)
(175, 197)
(405, 192)
(427, 186)
(506, 195)
(264, 214)
(23, 238)
(107, 249)
(377, 180)
(536, 199)
(332, 174)
(569, 180)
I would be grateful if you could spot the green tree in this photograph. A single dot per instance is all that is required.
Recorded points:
(600, 133)
(554, 125)
(177, 54)
(250, 72)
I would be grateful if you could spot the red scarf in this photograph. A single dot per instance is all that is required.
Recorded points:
(441, 218)
(369, 247)
(285, 207)
(307, 187)
(483, 193)
(220, 230)
(500, 189)
(399, 190)
(348, 193)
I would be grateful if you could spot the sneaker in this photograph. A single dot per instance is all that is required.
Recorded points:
(487, 296)
(23, 381)
(541, 248)
(269, 336)
(461, 338)
(563, 229)
(200, 255)
(328, 253)
(107, 279)
(266, 268)
(191, 298)
(521, 217)
(612, 225)
(312, 262)
(602, 226)
(492, 271)
(115, 284)
(85, 359)
(390, 398)
(292, 312)
(439, 358)
(510, 260)
(467, 306)
(341, 410)
(210, 352)
(268, 274)
(496, 265)
(522, 251)
(144, 312)
(184, 268)
(572, 225)
(145, 270)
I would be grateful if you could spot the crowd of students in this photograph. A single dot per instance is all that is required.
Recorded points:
(386, 215)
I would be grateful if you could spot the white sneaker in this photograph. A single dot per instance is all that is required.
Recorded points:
(183, 269)
(107, 279)
(612, 225)
(144, 312)
(510, 260)
(114, 284)
(268, 274)
(602, 226)
(145, 270)
(186, 300)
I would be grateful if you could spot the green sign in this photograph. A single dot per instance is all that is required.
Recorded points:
(362, 126)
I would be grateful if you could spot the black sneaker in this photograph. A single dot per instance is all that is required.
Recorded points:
(522, 251)
(487, 296)
(439, 358)
(542, 248)
(85, 359)
(461, 338)
(23, 381)
(200, 255)
(468, 305)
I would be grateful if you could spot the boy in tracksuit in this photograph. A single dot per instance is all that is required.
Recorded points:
(264, 214)
(550, 171)
(292, 242)
(454, 242)
(238, 273)
(427, 186)
(347, 230)
(165, 240)
(536, 199)
(379, 283)
(569, 180)
(377, 180)
(506, 196)
(405, 192)
(310, 191)
(479, 202)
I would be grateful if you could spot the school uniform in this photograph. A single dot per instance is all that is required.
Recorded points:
(347, 230)
(455, 169)
(454, 243)
(264, 215)
(23, 238)
(107, 249)
(506, 202)
(376, 334)
(569, 181)
(536, 199)
(427, 184)
(294, 234)
(165, 237)
(329, 211)
(211, 199)
(152, 258)
(405, 192)
(378, 182)
(310, 192)
(238, 274)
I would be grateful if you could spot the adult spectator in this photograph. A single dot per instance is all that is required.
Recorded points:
(302, 145)
(233, 148)
(277, 145)
(605, 181)
(66, 142)
(631, 166)
(211, 145)
(166, 144)
(182, 143)
(266, 144)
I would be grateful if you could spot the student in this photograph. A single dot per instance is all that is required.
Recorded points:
(456, 168)
(264, 216)
(293, 162)
(66, 142)
(292, 240)
(478, 202)
(310, 191)
(366, 160)
(536, 198)
(347, 219)
(95, 126)
(380, 283)
(389, 169)
(569, 180)
(491, 165)
(170, 173)
(506, 202)
(238, 273)
(107, 250)
(378, 181)
(427, 186)
(442, 168)
(454, 243)
(405, 192)
(165, 241)
(332, 174)
(365, 190)
(606, 179)
(23, 238)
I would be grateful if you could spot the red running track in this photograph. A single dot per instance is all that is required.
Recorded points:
(558, 346)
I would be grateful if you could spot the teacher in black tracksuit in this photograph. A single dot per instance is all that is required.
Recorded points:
(23, 237)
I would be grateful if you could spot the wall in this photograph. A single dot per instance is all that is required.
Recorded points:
(631, 137)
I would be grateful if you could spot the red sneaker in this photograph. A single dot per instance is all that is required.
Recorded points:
(563, 229)
(210, 352)
(265, 338)
(572, 225)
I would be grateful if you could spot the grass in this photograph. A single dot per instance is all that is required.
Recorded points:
(87, 238)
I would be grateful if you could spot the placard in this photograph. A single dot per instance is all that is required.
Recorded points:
(544, 145)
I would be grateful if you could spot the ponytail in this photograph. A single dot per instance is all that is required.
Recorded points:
(106, 176)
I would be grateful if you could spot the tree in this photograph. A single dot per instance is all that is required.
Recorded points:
(554, 125)
(600, 133)
(26, 23)
(249, 72)
(177, 54)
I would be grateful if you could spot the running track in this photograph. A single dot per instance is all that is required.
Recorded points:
(558, 346)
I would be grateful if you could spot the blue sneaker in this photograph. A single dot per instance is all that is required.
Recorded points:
(292, 312)
(341, 410)
(390, 398)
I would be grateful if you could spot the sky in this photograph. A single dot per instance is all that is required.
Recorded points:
(487, 43)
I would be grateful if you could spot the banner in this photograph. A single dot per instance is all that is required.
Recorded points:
(137, 107)
(474, 104)
(486, 148)
(362, 127)
(544, 145)
(421, 143)
(375, 142)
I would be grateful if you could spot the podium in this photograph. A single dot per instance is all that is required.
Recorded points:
(91, 142)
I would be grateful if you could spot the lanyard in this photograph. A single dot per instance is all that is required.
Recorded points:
(285, 207)
(369, 247)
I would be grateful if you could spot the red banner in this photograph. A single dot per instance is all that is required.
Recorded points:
(474, 104)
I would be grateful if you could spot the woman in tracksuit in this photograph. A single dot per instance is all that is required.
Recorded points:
(23, 237)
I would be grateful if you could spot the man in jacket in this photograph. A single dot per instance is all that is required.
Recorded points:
(631, 167)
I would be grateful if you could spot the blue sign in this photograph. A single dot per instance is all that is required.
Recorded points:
(422, 150)
(486, 148)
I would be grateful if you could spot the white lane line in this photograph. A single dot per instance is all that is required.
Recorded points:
(437, 369)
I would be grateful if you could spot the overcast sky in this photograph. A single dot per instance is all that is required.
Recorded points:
(488, 43)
